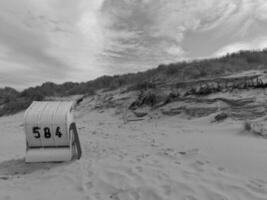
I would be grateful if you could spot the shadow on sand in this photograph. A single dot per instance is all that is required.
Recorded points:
(17, 167)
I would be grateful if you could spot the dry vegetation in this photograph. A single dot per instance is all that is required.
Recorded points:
(174, 76)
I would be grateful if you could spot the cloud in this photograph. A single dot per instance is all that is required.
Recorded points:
(219, 14)
(154, 31)
(256, 44)
(241, 18)
(52, 38)
(148, 32)
(66, 40)
(24, 44)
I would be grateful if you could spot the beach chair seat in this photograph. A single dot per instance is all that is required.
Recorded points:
(51, 133)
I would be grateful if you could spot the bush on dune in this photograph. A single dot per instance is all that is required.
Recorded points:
(12, 101)
(247, 126)
(257, 128)
(15, 106)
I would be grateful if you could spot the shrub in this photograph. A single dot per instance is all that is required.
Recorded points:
(247, 126)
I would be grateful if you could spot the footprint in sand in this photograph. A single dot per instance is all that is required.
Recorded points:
(257, 186)
(125, 194)
(190, 152)
(140, 157)
(6, 198)
(221, 169)
(139, 169)
(167, 189)
(189, 197)
(89, 185)
(168, 152)
(4, 178)
(177, 162)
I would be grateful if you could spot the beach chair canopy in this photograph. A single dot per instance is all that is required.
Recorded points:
(49, 130)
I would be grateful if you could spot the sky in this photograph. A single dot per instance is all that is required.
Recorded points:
(79, 40)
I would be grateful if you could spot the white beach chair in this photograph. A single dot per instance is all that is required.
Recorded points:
(51, 134)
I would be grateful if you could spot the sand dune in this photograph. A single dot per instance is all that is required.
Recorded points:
(160, 157)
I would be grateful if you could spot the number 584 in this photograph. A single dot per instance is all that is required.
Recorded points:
(46, 132)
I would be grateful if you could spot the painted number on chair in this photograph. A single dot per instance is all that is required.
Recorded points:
(46, 132)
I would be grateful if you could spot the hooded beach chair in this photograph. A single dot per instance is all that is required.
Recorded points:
(51, 134)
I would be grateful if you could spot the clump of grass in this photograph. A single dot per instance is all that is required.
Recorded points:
(256, 129)
(220, 117)
(247, 126)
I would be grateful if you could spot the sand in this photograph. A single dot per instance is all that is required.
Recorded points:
(164, 157)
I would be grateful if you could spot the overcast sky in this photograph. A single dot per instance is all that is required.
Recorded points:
(79, 40)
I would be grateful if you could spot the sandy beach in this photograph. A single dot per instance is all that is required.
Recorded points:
(158, 157)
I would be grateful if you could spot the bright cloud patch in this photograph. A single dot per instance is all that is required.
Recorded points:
(257, 44)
